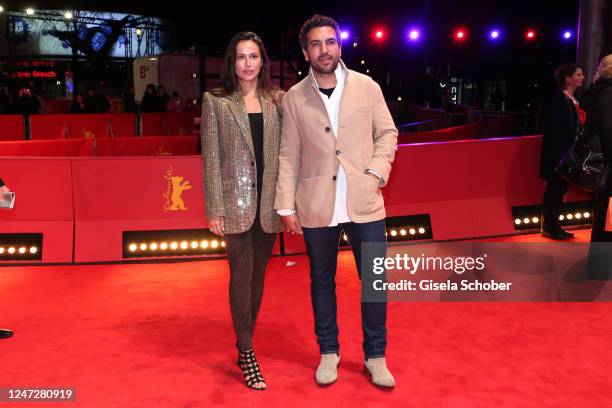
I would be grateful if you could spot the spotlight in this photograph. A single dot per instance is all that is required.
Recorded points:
(414, 34)
(393, 233)
(204, 244)
(567, 35)
(525, 220)
(355, 45)
(22, 250)
(194, 244)
(403, 232)
(33, 250)
(362, 62)
(223, 244)
(460, 35)
(68, 15)
(494, 34)
(29, 11)
(412, 231)
(535, 220)
(133, 247)
(530, 35)
(1, 9)
(421, 230)
(569, 216)
(184, 245)
(1, 250)
(139, 32)
(214, 244)
(586, 215)
(153, 246)
(344, 35)
(561, 218)
(518, 221)
(11, 250)
(143, 247)
(379, 34)
(163, 246)
(399, 98)
(578, 216)
(174, 245)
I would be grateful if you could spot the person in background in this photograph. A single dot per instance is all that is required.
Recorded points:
(78, 104)
(163, 98)
(150, 100)
(4, 333)
(129, 100)
(26, 103)
(175, 104)
(562, 120)
(95, 103)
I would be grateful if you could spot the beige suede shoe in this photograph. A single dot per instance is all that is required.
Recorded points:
(327, 372)
(379, 373)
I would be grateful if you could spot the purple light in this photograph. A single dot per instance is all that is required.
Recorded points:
(494, 34)
(567, 35)
(345, 35)
(414, 34)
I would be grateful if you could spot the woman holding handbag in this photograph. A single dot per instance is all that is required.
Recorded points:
(241, 127)
(563, 117)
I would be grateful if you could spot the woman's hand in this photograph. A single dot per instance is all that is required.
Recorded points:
(217, 225)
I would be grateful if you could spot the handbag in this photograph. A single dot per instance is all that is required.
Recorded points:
(585, 165)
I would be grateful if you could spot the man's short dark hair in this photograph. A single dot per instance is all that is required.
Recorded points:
(315, 21)
(565, 71)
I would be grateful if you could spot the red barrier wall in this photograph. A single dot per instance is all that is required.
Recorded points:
(43, 203)
(62, 148)
(87, 126)
(167, 123)
(148, 146)
(11, 127)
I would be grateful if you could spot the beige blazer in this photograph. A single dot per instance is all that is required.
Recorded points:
(310, 154)
(230, 172)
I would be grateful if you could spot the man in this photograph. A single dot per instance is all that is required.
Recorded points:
(95, 103)
(4, 334)
(338, 142)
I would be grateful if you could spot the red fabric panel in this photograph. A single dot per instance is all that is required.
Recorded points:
(168, 123)
(87, 126)
(11, 127)
(57, 237)
(148, 146)
(63, 148)
(55, 106)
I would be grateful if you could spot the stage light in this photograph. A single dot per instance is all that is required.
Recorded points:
(393, 233)
(214, 244)
(421, 230)
(379, 34)
(414, 34)
(33, 250)
(345, 35)
(68, 15)
(29, 11)
(403, 232)
(184, 245)
(163, 246)
(299, 73)
(569, 216)
(22, 250)
(368, 71)
(1, 250)
(194, 244)
(530, 35)
(1, 9)
(11, 250)
(518, 221)
(412, 231)
(204, 244)
(153, 246)
(362, 62)
(460, 35)
(526, 220)
(223, 244)
(578, 216)
(535, 220)
(174, 246)
(567, 35)
(399, 98)
(139, 32)
(143, 247)
(133, 247)
(494, 34)
(355, 45)
(561, 218)
(586, 215)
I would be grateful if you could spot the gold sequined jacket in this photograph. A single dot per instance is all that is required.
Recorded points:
(230, 172)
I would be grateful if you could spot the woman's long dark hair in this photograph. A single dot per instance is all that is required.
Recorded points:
(229, 80)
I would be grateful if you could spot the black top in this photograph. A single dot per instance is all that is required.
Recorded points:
(256, 122)
(327, 91)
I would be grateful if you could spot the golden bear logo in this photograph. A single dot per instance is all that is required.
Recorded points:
(174, 191)
(88, 134)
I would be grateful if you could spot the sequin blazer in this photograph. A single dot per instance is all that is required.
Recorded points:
(230, 173)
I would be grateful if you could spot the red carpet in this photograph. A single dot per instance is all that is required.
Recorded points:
(160, 335)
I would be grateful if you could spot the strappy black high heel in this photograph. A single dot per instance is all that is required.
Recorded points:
(250, 369)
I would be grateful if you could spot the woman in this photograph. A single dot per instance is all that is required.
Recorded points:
(150, 100)
(241, 123)
(563, 117)
(598, 102)
(78, 104)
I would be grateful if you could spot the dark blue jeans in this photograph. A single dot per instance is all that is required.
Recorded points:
(322, 246)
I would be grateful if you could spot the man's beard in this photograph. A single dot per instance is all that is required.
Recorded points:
(328, 70)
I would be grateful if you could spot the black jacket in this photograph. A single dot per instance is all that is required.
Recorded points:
(560, 128)
(597, 101)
